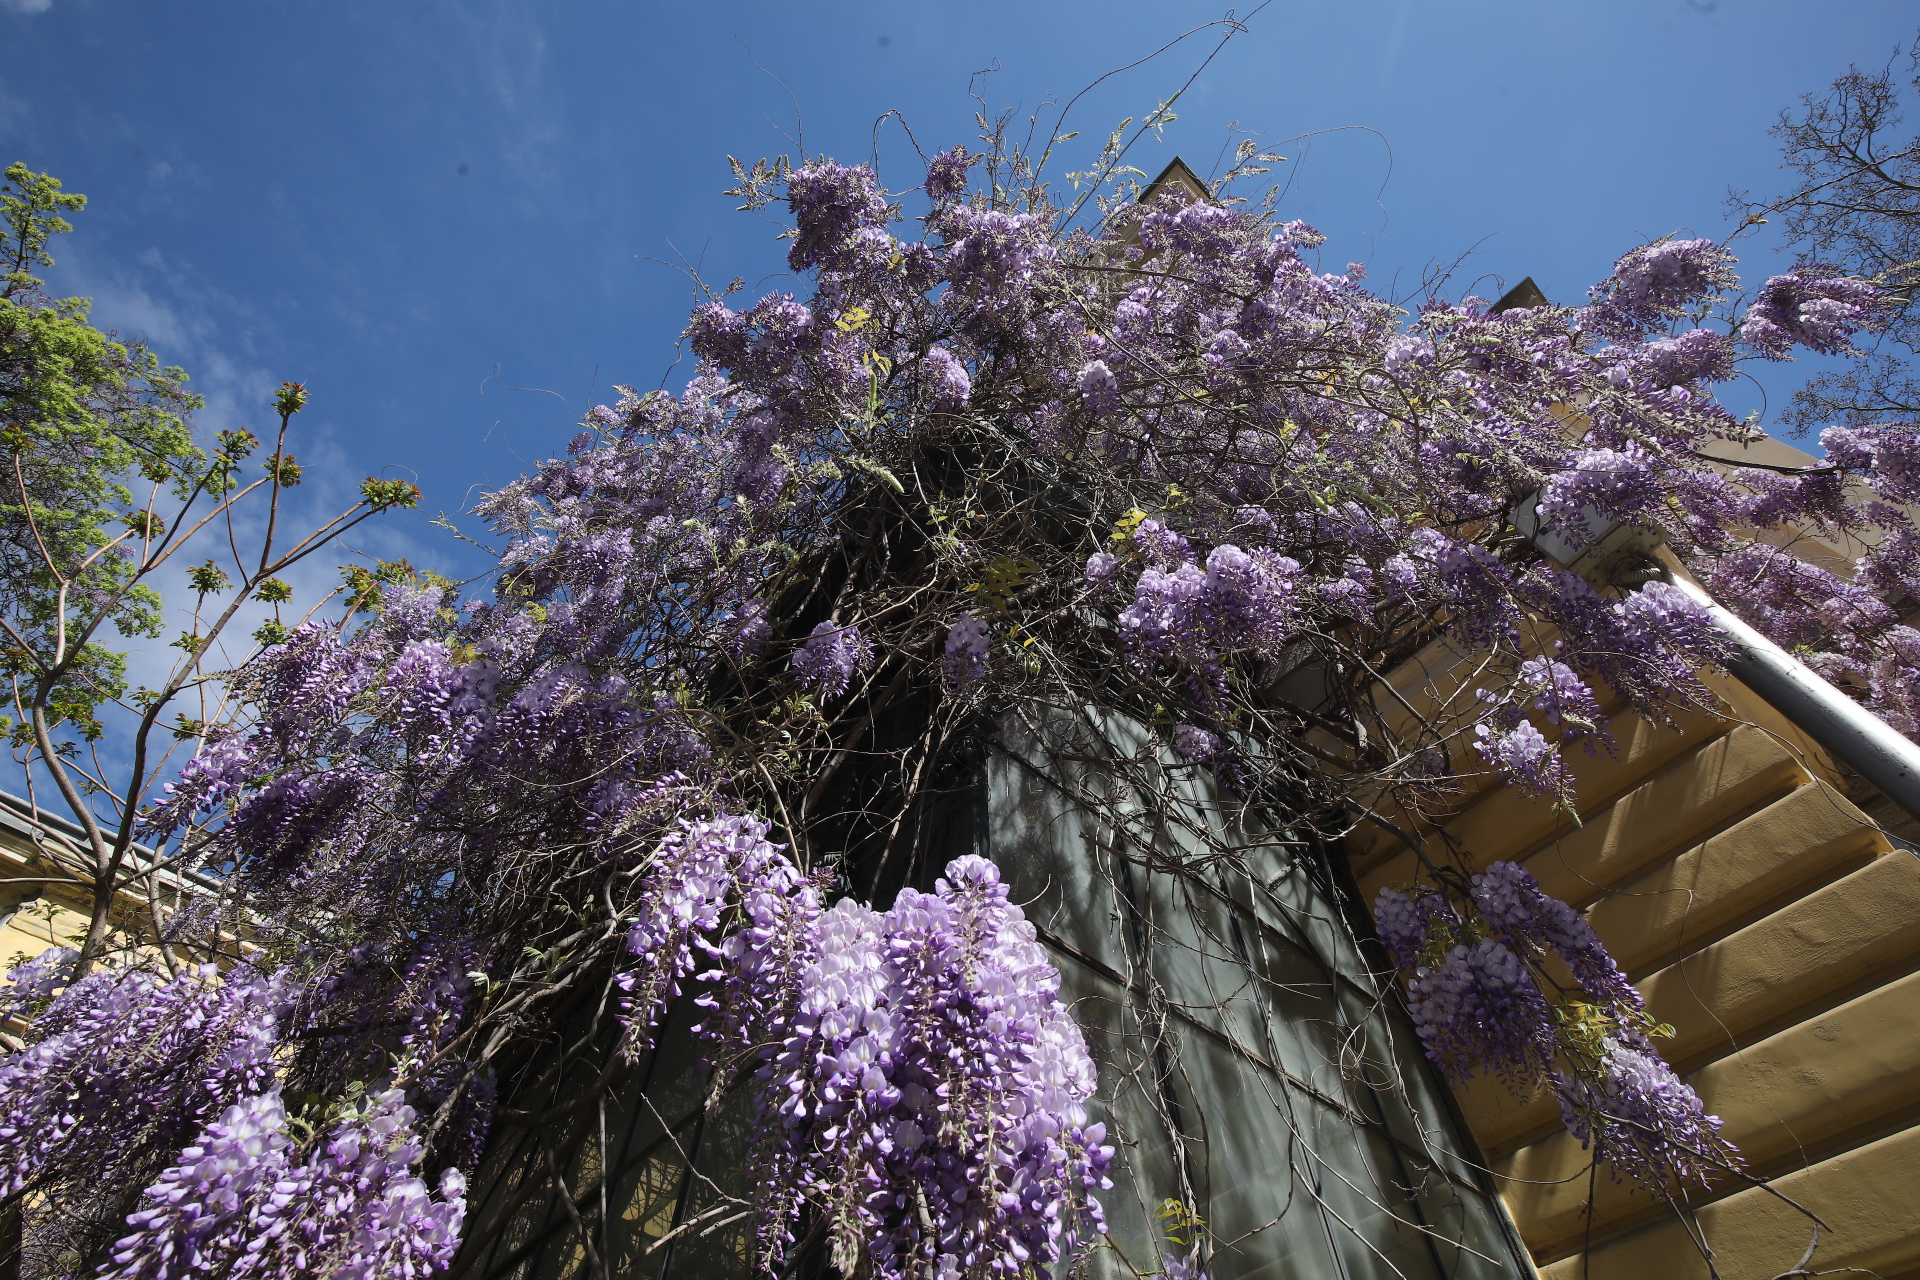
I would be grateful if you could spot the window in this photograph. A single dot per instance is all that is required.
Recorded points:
(1265, 1093)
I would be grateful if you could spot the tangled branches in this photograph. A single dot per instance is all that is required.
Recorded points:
(1155, 470)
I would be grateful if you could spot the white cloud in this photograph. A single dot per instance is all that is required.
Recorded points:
(27, 7)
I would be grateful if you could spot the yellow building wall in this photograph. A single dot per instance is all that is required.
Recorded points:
(46, 909)
(1760, 912)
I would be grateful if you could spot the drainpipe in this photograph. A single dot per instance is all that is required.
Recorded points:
(1884, 757)
(1623, 555)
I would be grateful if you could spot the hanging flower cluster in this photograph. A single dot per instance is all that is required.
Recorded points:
(1237, 489)
(830, 658)
(245, 1201)
(1482, 1000)
(922, 1082)
(930, 1089)
(126, 1052)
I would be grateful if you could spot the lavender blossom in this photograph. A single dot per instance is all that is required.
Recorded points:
(1812, 306)
(1102, 573)
(1641, 1119)
(948, 378)
(1515, 908)
(1524, 755)
(965, 658)
(1406, 923)
(1889, 457)
(1098, 387)
(1196, 744)
(947, 174)
(831, 657)
(921, 1040)
(1615, 483)
(242, 1203)
(1655, 283)
(832, 204)
(33, 981)
(1478, 1007)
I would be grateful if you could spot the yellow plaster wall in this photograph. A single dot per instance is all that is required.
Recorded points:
(1777, 928)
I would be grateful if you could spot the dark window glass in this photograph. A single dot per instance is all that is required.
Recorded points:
(1265, 1093)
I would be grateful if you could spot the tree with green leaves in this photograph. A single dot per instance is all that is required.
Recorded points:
(106, 491)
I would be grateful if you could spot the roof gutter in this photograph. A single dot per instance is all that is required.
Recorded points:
(1623, 555)
(1875, 750)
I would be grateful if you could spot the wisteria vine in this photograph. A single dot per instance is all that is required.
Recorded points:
(1143, 458)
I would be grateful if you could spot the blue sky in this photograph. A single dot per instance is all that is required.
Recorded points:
(393, 200)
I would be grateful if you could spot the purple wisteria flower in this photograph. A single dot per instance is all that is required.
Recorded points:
(698, 872)
(1642, 1119)
(906, 1047)
(1889, 457)
(1242, 601)
(1098, 387)
(1698, 355)
(1158, 546)
(124, 1062)
(1102, 573)
(947, 174)
(1406, 923)
(1182, 1267)
(951, 386)
(1559, 694)
(1479, 1007)
(1812, 306)
(35, 980)
(1512, 903)
(1614, 483)
(965, 658)
(243, 1202)
(832, 206)
(748, 630)
(568, 734)
(1407, 349)
(831, 657)
(1896, 681)
(1197, 744)
(1655, 283)
(1524, 755)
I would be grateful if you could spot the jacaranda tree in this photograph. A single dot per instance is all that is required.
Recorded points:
(1015, 449)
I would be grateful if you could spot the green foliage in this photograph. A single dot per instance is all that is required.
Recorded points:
(30, 205)
(208, 578)
(366, 587)
(284, 471)
(384, 494)
(1004, 579)
(92, 431)
(1181, 1225)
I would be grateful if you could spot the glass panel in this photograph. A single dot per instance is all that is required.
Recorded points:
(1252, 1068)
(1252, 1071)
(718, 1239)
(1145, 1168)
